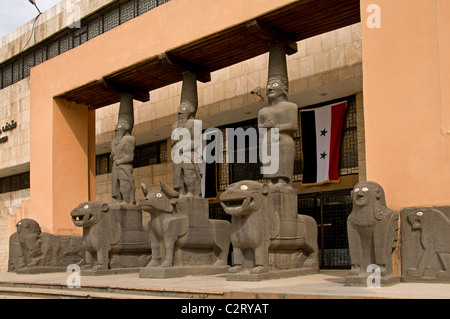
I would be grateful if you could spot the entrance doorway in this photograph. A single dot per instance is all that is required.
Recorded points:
(330, 210)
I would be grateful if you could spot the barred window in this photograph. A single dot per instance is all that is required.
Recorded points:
(118, 12)
(14, 183)
(144, 155)
(348, 156)
(348, 161)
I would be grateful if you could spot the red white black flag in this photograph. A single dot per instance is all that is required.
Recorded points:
(321, 139)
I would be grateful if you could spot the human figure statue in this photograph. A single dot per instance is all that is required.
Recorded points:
(122, 154)
(186, 173)
(281, 114)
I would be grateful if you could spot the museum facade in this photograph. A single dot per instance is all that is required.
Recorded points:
(58, 119)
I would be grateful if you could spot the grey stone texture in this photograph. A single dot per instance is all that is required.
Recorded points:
(122, 153)
(113, 236)
(425, 234)
(186, 173)
(31, 251)
(182, 234)
(263, 239)
(373, 231)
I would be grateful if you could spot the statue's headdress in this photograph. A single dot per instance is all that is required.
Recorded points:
(189, 90)
(277, 63)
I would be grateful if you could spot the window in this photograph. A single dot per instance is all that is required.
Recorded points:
(144, 155)
(14, 183)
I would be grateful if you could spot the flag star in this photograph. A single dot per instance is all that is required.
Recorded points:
(323, 132)
(323, 155)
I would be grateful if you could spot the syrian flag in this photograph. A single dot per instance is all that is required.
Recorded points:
(321, 139)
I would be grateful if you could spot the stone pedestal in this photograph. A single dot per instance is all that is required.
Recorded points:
(425, 249)
(365, 281)
(181, 271)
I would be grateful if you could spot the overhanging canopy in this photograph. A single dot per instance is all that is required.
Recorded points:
(292, 23)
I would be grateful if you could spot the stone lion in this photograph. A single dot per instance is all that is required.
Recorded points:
(432, 259)
(31, 248)
(372, 229)
(104, 233)
(255, 229)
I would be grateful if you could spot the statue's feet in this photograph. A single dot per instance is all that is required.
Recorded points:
(100, 267)
(413, 272)
(87, 266)
(310, 263)
(355, 271)
(220, 262)
(235, 269)
(167, 264)
(259, 270)
(155, 262)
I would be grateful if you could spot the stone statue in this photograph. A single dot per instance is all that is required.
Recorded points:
(426, 244)
(177, 224)
(270, 239)
(31, 250)
(122, 154)
(255, 232)
(372, 230)
(112, 238)
(281, 114)
(186, 173)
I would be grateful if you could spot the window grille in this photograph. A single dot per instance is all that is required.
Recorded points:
(18, 67)
(14, 183)
(144, 155)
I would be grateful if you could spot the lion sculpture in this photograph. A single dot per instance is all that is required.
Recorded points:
(105, 241)
(256, 229)
(174, 226)
(31, 248)
(426, 244)
(372, 230)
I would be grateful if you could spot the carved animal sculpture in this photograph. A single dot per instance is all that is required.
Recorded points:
(103, 234)
(256, 226)
(30, 248)
(372, 229)
(171, 227)
(434, 229)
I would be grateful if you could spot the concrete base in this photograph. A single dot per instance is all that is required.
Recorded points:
(361, 281)
(107, 272)
(273, 274)
(40, 270)
(181, 271)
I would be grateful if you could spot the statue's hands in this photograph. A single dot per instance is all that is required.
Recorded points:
(268, 123)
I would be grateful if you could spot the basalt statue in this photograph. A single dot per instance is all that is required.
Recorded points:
(31, 250)
(373, 232)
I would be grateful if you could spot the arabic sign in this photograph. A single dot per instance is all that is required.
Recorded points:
(7, 127)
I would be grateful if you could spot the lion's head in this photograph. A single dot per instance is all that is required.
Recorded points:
(369, 203)
(88, 214)
(28, 231)
(244, 197)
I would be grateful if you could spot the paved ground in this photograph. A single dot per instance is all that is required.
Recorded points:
(326, 284)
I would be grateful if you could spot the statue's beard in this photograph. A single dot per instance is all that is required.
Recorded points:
(364, 215)
(118, 137)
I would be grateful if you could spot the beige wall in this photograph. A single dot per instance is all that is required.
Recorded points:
(15, 105)
(406, 101)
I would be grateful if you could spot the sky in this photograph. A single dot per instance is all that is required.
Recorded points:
(15, 13)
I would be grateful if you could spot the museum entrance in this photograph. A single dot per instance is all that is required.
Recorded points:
(330, 210)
